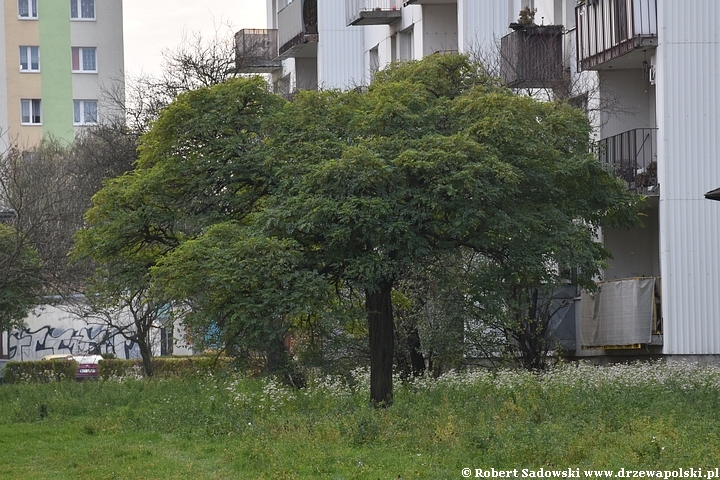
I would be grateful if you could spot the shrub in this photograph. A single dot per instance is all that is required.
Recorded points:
(165, 367)
(113, 367)
(41, 371)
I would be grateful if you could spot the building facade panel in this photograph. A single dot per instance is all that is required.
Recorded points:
(105, 34)
(56, 69)
(687, 168)
(340, 59)
(20, 85)
(482, 24)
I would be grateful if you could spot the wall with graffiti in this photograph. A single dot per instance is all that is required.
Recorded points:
(52, 330)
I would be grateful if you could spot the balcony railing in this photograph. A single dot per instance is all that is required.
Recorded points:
(256, 51)
(608, 29)
(372, 12)
(633, 157)
(7, 214)
(298, 29)
(532, 57)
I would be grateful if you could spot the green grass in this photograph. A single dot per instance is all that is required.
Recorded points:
(646, 416)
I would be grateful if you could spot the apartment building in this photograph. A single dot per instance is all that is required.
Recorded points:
(59, 59)
(647, 72)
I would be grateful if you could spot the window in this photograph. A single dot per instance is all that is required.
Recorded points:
(86, 112)
(83, 59)
(30, 112)
(29, 59)
(27, 9)
(82, 9)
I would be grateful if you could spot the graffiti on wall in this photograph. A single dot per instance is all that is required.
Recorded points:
(27, 344)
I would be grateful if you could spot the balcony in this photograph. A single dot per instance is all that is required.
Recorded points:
(532, 57)
(298, 29)
(7, 214)
(633, 157)
(256, 51)
(372, 12)
(609, 31)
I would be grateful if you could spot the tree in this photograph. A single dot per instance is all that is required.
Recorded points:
(432, 158)
(357, 188)
(21, 281)
(193, 171)
(50, 186)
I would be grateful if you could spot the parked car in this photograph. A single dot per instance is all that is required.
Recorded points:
(87, 364)
(58, 356)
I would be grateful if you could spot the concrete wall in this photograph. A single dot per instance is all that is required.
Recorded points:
(636, 251)
(627, 101)
(439, 29)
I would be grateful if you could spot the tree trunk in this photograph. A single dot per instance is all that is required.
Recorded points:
(146, 353)
(378, 304)
(532, 334)
(143, 340)
(417, 360)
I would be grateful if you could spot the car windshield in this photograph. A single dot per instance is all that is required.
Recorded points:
(87, 358)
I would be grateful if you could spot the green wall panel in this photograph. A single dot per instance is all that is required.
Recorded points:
(55, 51)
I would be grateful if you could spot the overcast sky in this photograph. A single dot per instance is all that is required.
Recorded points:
(154, 25)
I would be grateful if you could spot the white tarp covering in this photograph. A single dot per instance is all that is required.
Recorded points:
(619, 313)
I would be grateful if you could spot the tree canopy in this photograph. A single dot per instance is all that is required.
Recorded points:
(249, 210)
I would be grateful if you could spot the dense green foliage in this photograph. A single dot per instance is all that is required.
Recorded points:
(39, 371)
(649, 417)
(248, 211)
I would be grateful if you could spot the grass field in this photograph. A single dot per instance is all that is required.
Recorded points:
(645, 416)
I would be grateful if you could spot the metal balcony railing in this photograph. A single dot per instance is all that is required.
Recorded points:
(256, 51)
(607, 29)
(633, 157)
(7, 214)
(532, 57)
(372, 12)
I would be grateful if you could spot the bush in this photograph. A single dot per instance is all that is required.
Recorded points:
(114, 367)
(165, 367)
(41, 371)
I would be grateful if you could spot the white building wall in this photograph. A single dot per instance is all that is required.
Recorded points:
(627, 99)
(439, 29)
(55, 329)
(340, 50)
(688, 146)
(481, 24)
